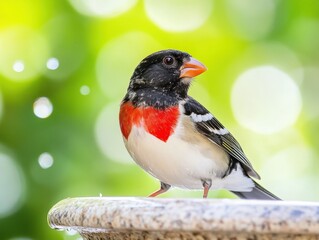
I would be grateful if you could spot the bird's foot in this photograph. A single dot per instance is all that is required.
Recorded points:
(206, 184)
(164, 188)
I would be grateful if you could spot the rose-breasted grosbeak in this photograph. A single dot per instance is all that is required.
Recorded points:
(177, 140)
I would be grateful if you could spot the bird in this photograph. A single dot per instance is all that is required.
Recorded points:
(176, 139)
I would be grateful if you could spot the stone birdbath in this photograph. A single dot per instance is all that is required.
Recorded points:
(99, 218)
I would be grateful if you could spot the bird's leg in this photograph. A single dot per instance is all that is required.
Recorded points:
(206, 184)
(164, 188)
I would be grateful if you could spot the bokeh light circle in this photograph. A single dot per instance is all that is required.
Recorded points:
(53, 63)
(265, 100)
(118, 59)
(102, 8)
(108, 134)
(23, 53)
(18, 66)
(42, 107)
(252, 19)
(85, 90)
(11, 186)
(45, 160)
(178, 15)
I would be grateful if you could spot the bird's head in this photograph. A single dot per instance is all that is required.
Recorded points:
(167, 70)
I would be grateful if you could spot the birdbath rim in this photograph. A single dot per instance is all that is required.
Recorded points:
(107, 214)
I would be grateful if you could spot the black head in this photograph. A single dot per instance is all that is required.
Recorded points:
(167, 70)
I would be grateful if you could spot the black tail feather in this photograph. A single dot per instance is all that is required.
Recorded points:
(258, 192)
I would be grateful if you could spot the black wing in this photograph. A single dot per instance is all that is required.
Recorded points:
(209, 126)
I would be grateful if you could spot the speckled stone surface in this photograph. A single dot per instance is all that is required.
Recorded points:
(158, 218)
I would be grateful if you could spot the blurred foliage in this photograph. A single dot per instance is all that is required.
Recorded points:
(94, 47)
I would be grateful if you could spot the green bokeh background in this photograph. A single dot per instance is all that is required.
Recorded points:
(100, 52)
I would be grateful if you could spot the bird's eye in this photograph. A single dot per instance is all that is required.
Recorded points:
(168, 61)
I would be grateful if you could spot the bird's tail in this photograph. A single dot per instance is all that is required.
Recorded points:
(258, 192)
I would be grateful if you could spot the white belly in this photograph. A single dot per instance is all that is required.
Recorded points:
(183, 161)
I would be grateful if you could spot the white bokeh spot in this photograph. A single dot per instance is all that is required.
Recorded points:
(45, 160)
(42, 107)
(53, 63)
(18, 66)
(178, 15)
(85, 90)
(102, 8)
(266, 100)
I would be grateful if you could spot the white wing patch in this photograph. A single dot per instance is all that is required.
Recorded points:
(221, 131)
(201, 118)
(206, 117)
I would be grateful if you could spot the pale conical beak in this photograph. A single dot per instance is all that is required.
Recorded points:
(192, 68)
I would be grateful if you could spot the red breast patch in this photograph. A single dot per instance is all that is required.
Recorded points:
(159, 123)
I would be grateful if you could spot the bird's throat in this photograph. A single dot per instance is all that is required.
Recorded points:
(158, 122)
